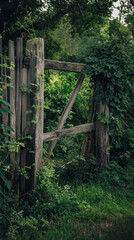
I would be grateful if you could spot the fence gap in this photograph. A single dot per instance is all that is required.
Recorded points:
(66, 112)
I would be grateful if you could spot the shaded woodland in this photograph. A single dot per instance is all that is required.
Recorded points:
(66, 119)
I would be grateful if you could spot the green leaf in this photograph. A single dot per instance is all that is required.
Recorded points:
(9, 135)
(9, 142)
(1, 203)
(9, 200)
(3, 110)
(7, 128)
(118, 74)
(8, 184)
(2, 176)
(1, 191)
(4, 102)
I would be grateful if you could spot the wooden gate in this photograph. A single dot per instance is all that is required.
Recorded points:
(26, 97)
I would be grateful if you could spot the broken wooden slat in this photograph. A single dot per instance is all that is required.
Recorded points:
(66, 111)
(88, 127)
(64, 66)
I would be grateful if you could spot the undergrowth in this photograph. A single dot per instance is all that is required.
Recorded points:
(100, 209)
(74, 199)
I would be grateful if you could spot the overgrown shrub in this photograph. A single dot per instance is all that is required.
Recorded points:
(110, 64)
(50, 198)
(77, 170)
(8, 145)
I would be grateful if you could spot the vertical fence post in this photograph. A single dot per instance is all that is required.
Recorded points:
(5, 116)
(1, 58)
(1, 69)
(22, 184)
(12, 117)
(0, 46)
(19, 61)
(12, 88)
(102, 136)
(35, 103)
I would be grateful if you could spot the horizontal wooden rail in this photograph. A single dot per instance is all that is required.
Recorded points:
(59, 65)
(64, 66)
(88, 127)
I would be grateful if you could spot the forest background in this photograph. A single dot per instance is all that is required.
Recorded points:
(75, 199)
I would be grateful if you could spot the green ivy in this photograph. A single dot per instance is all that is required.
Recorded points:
(110, 65)
(8, 145)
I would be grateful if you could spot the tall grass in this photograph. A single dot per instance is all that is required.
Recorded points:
(101, 215)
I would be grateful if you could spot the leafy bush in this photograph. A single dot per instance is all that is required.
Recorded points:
(50, 198)
(58, 88)
(110, 64)
(22, 227)
(117, 176)
(77, 171)
(8, 145)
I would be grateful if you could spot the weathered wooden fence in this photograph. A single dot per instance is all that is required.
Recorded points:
(26, 97)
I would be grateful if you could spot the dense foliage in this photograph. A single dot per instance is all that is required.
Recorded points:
(42, 14)
(74, 199)
(110, 63)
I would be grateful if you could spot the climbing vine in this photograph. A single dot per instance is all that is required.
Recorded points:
(110, 64)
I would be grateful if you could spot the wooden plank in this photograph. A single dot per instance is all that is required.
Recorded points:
(0, 46)
(88, 145)
(3, 78)
(1, 60)
(22, 185)
(12, 117)
(5, 116)
(102, 136)
(64, 66)
(12, 89)
(88, 127)
(24, 102)
(35, 104)
(1, 68)
(66, 112)
(19, 60)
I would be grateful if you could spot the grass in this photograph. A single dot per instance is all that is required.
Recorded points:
(95, 211)
(85, 212)
(101, 215)
(69, 229)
